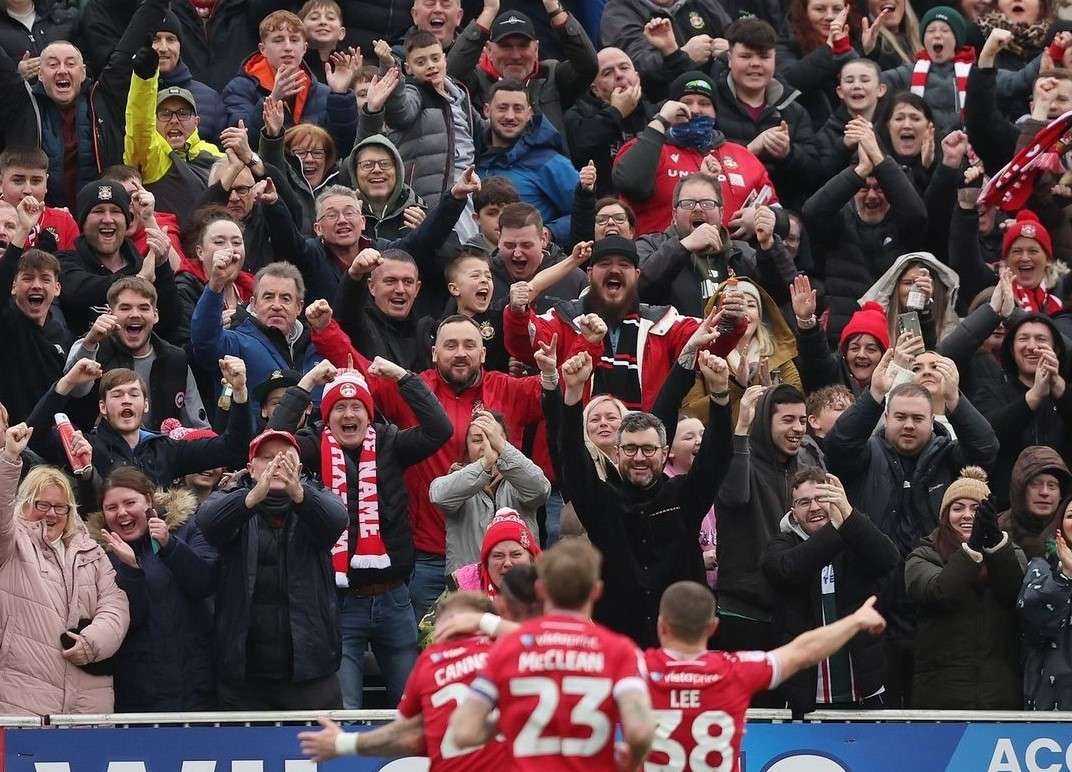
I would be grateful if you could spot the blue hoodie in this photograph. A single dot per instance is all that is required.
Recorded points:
(543, 176)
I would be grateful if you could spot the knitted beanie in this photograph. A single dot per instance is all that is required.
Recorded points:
(102, 192)
(507, 526)
(1027, 225)
(171, 24)
(970, 485)
(870, 319)
(348, 384)
(951, 17)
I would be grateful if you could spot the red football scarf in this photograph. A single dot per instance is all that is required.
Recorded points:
(369, 551)
(1037, 300)
(962, 64)
(1011, 187)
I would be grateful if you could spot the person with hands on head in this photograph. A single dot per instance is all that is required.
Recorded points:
(825, 558)
(119, 439)
(167, 570)
(375, 555)
(275, 637)
(42, 540)
(683, 139)
(964, 579)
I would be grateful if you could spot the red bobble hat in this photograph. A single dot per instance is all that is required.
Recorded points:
(870, 319)
(506, 526)
(1027, 225)
(348, 384)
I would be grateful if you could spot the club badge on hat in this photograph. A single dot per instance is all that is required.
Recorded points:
(348, 391)
(1028, 231)
(104, 193)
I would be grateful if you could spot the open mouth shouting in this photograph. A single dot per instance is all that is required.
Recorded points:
(614, 286)
(134, 331)
(64, 85)
(175, 136)
(126, 526)
(108, 235)
(36, 300)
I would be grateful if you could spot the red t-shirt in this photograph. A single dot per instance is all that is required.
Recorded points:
(438, 683)
(700, 706)
(555, 681)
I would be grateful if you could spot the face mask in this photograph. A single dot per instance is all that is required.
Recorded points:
(698, 133)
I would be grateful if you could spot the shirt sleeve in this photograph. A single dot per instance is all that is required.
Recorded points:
(410, 704)
(757, 670)
(632, 671)
(486, 684)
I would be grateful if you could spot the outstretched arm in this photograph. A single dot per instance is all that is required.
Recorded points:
(812, 647)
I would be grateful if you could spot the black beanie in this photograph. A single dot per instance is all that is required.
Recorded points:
(170, 24)
(102, 192)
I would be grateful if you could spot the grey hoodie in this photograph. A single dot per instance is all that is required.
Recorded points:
(385, 222)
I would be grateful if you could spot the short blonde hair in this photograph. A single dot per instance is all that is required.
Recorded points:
(39, 478)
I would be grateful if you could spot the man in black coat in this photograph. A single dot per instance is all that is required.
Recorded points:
(827, 560)
(363, 463)
(276, 633)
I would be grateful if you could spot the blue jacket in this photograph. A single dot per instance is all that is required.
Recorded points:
(209, 103)
(243, 98)
(165, 662)
(262, 349)
(543, 176)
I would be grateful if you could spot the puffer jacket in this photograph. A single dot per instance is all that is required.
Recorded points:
(165, 662)
(1029, 531)
(41, 599)
(177, 178)
(543, 176)
(384, 222)
(209, 103)
(55, 21)
(967, 652)
(214, 48)
(1045, 607)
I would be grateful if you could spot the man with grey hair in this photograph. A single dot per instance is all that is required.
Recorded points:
(339, 227)
(650, 522)
(267, 334)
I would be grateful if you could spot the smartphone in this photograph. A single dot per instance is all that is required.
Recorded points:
(909, 322)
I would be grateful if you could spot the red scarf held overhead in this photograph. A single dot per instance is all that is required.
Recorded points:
(962, 64)
(243, 282)
(370, 551)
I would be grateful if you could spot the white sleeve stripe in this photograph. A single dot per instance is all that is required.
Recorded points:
(485, 690)
(629, 684)
(776, 670)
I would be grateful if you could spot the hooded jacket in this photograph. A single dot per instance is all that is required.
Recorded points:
(882, 292)
(670, 274)
(1027, 531)
(1045, 605)
(857, 253)
(382, 222)
(648, 168)
(1016, 425)
(543, 176)
(967, 649)
(41, 596)
(795, 176)
(243, 98)
(781, 365)
(310, 608)
(165, 662)
(750, 505)
(210, 107)
(904, 506)
(862, 559)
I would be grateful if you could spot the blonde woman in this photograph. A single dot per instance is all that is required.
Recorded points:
(61, 612)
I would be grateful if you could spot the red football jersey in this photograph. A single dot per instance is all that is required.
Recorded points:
(438, 683)
(555, 681)
(700, 706)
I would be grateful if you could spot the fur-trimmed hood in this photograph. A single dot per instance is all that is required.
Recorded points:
(175, 505)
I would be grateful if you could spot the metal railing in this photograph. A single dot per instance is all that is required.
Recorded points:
(221, 718)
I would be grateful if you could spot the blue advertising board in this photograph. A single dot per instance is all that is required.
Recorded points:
(785, 747)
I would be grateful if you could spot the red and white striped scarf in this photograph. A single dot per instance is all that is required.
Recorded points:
(370, 551)
(962, 64)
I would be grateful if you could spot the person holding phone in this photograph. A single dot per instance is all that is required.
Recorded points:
(167, 570)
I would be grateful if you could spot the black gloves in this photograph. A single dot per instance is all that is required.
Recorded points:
(975, 540)
(985, 534)
(146, 62)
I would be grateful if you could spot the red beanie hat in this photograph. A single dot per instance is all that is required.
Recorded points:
(507, 526)
(348, 384)
(870, 319)
(1027, 225)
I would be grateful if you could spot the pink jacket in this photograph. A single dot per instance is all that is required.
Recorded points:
(39, 600)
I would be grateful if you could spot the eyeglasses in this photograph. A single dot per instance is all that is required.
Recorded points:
(316, 155)
(647, 450)
(45, 506)
(182, 115)
(333, 215)
(806, 503)
(704, 203)
(242, 190)
(603, 219)
(383, 165)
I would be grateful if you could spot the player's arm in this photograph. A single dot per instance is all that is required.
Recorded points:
(812, 647)
(471, 623)
(402, 737)
(638, 724)
(470, 723)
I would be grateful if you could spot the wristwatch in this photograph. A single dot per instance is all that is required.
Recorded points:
(254, 159)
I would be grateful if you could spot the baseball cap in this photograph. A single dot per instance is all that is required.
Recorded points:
(614, 246)
(512, 23)
(279, 379)
(271, 434)
(174, 92)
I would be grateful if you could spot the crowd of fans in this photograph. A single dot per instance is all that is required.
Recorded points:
(319, 311)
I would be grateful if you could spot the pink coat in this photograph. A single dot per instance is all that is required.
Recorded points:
(39, 600)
